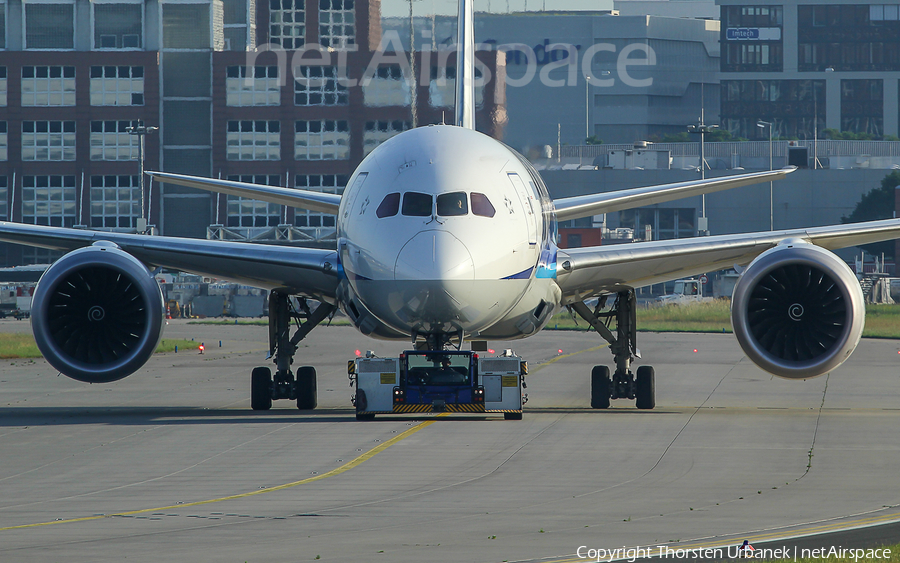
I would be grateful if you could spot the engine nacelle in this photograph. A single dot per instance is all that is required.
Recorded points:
(97, 314)
(798, 311)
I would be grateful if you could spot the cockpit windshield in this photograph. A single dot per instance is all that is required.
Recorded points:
(389, 207)
(417, 205)
(452, 204)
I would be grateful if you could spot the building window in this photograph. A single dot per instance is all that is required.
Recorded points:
(117, 26)
(665, 224)
(117, 85)
(752, 57)
(49, 26)
(244, 212)
(752, 16)
(793, 107)
(48, 200)
(862, 106)
(326, 183)
(321, 140)
(752, 38)
(48, 85)
(287, 23)
(115, 201)
(4, 142)
(2, 85)
(253, 140)
(319, 86)
(33, 255)
(186, 26)
(48, 140)
(884, 12)
(378, 132)
(4, 198)
(2, 26)
(442, 87)
(337, 27)
(111, 141)
(260, 89)
(386, 88)
(849, 37)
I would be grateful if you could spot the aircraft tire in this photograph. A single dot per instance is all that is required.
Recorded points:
(645, 388)
(600, 387)
(307, 398)
(261, 389)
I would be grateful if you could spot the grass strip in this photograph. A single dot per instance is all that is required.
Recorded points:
(882, 321)
(22, 345)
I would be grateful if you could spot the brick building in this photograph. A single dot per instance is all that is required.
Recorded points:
(75, 74)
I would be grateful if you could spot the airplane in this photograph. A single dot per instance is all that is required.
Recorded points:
(445, 235)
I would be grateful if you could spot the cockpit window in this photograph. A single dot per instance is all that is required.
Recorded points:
(481, 205)
(453, 204)
(389, 207)
(416, 204)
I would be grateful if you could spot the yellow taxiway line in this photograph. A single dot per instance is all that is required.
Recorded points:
(362, 458)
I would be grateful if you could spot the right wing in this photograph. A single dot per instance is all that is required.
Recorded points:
(597, 204)
(310, 272)
(304, 199)
(587, 272)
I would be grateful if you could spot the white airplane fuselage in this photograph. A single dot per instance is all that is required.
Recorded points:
(444, 230)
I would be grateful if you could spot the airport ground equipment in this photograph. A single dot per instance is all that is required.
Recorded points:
(438, 381)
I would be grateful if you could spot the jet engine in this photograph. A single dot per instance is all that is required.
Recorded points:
(97, 314)
(798, 311)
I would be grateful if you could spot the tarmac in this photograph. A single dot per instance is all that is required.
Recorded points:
(171, 464)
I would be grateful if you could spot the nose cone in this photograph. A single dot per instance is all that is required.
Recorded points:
(434, 255)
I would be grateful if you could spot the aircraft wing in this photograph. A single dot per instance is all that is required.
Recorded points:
(304, 199)
(586, 272)
(304, 271)
(596, 204)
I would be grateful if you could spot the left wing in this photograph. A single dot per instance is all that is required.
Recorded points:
(311, 272)
(596, 204)
(304, 199)
(586, 272)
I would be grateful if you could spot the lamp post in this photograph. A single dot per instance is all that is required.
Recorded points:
(140, 130)
(587, 108)
(587, 103)
(816, 122)
(702, 128)
(761, 124)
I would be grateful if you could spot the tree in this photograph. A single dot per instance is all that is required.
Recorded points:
(593, 140)
(876, 204)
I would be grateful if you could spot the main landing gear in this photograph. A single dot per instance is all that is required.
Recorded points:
(623, 384)
(264, 388)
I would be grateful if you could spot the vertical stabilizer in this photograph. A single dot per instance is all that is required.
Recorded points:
(465, 66)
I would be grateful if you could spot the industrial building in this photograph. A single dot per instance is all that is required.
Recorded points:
(807, 65)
